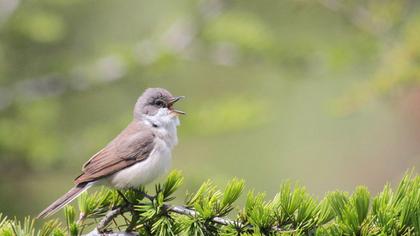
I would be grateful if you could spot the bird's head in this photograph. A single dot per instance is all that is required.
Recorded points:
(157, 102)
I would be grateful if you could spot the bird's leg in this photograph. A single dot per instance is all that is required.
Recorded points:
(134, 216)
(141, 192)
(124, 198)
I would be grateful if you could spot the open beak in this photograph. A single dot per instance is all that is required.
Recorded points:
(174, 100)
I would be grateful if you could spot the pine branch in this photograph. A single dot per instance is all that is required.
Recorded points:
(111, 215)
(188, 212)
(181, 210)
(218, 220)
(292, 211)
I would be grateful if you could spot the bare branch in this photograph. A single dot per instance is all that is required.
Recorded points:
(101, 227)
(110, 216)
(96, 233)
(185, 211)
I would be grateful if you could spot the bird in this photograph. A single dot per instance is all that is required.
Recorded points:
(135, 157)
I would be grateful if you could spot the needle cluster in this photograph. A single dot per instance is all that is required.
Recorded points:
(211, 211)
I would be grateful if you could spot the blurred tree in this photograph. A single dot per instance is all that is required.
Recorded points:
(70, 70)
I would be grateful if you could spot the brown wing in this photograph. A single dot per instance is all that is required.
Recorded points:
(134, 144)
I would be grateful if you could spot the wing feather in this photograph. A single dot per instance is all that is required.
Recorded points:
(133, 145)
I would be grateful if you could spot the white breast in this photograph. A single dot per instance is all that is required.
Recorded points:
(145, 171)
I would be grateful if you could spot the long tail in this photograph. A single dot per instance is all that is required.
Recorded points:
(65, 199)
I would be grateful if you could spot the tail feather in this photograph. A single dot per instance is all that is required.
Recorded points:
(64, 200)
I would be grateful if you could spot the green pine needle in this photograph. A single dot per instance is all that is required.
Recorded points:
(293, 211)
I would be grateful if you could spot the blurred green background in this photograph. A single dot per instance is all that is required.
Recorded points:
(323, 92)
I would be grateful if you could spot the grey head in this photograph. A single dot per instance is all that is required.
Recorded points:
(154, 99)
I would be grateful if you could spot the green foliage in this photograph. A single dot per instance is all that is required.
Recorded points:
(391, 213)
(96, 204)
(351, 211)
(209, 203)
(26, 228)
(172, 183)
(398, 213)
(293, 211)
(258, 213)
(72, 226)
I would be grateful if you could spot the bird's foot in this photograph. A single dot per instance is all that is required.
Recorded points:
(141, 192)
(127, 202)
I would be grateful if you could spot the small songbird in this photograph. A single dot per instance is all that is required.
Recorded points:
(137, 156)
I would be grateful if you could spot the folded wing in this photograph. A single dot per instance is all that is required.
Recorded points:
(134, 144)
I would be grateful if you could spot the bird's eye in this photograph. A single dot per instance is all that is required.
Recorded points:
(160, 103)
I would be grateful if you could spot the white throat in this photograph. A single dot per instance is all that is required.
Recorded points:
(164, 123)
